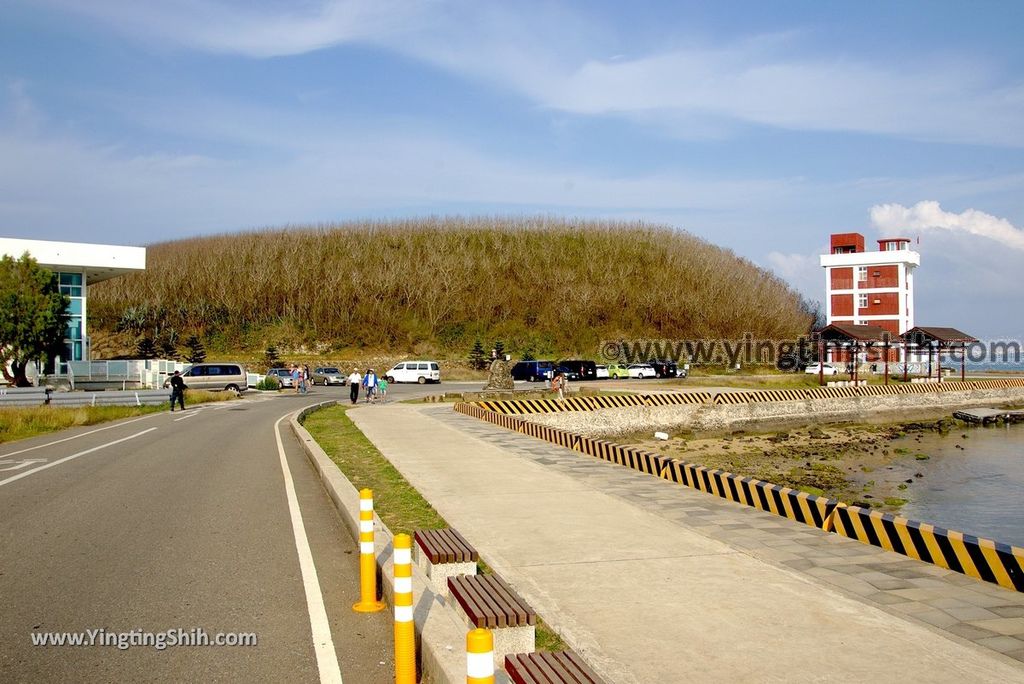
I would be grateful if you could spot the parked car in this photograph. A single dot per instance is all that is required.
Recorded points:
(602, 372)
(617, 371)
(329, 375)
(584, 370)
(664, 369)
(815, 369)
(641, 371)
(569, 373)
(215, 376)
(533, 371)
(283, 375)
(415, 371)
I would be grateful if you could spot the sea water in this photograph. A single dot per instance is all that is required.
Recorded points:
(977, 489)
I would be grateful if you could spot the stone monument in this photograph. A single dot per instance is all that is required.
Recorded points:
(501, 375)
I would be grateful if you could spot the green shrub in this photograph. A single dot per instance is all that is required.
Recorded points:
(269, 382)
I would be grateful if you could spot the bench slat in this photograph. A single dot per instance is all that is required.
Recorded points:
(465, 593)
(445, 546)
(560, 667)
(491, 604)
(581, 667)
(523, 612)
(450, 547)
(469, 551)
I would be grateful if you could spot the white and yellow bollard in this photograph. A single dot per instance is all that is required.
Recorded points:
(479, 656)
(368, 602)
(405, 628)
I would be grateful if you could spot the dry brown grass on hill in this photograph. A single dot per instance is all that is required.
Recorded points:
(543, 284)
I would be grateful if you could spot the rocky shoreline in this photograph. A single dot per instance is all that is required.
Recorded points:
(874, 466)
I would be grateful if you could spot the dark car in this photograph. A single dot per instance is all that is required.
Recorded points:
(533, 371)
(665, 369)
(583, 369)
(568, 372)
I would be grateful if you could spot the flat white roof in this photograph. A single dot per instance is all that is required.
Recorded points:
(99, 262)
(877, 258)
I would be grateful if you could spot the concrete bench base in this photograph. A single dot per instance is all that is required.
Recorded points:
(438, 573)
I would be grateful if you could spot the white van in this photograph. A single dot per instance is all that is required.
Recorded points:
(415, 371)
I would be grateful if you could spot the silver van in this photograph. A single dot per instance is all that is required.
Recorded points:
(215, 376)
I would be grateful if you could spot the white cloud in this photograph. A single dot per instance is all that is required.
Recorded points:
(929, 216)
(802, 271)
(252, 29)
(554, 58)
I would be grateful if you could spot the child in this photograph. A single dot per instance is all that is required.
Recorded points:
(382, 389)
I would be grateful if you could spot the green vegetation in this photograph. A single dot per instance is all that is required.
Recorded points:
(30, 421)
(269, 382)
(397, 502)
(33, 316)
(435, 285)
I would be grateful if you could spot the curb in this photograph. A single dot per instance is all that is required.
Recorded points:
(441, 639)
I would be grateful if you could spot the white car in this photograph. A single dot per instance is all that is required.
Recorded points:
(601, 372)
(641, 371)
(415, 371)
(815, 369)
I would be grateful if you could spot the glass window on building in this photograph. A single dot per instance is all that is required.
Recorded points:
(71, 285)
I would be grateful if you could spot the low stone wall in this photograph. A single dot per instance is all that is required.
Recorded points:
(718, 417)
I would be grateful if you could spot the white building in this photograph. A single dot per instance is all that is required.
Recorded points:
(77, 265)
(870, 287)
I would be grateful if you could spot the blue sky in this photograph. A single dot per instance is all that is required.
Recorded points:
(762, 127)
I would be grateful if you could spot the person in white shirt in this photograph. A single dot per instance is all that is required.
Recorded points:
(354, 381)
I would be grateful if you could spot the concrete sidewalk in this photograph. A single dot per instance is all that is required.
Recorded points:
(647, 599)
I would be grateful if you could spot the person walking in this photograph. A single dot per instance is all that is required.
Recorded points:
(382, 389)
(296, 378)
(307, 378)
(178, 388)
(354, 381)
(558, 385)
(370, 384)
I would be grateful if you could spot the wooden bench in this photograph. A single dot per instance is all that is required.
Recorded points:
(442, 554)
(486, 601)
(549, 668)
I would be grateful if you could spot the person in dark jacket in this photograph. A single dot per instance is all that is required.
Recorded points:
(178, 388)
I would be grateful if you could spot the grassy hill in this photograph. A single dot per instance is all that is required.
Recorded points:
(547, 285)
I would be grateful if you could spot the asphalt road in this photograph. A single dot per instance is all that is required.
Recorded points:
(182, 521)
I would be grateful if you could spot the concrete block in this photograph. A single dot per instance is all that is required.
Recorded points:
(438, 573)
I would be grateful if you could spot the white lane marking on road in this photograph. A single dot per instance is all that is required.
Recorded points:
(73, 456)
(18, 465)
(187, 416)
(84, 434)
(323, 644)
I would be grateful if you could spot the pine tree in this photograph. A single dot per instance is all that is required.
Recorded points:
(528, 354)
(169, 350)
(499, 347)
(196, 352)
(272, 356)
(146, 348)
(477, 356)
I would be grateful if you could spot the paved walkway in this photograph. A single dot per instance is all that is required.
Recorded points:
(652, 581)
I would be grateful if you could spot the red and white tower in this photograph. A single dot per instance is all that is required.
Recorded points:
(870, 288)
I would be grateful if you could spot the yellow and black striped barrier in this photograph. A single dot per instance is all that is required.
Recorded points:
(534, 406)
(802, 507)
(980, 558)
(977, 557)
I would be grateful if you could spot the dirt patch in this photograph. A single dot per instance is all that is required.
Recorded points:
(868, 465)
